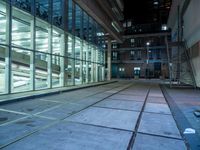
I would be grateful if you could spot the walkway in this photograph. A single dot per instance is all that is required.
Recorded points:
(118, 116)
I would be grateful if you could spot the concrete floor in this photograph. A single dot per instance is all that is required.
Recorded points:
(118, 116)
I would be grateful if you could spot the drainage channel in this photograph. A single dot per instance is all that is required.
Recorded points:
(60, 120)
(132, 140)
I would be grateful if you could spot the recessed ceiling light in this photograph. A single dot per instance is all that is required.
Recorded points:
(155, 3)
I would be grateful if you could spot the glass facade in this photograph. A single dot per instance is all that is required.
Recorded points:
(48, 44)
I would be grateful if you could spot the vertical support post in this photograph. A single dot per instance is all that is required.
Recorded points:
(87, 64)
(32, 56)
(92, 65)
(8, 53)
(49, 66)
(109, 60)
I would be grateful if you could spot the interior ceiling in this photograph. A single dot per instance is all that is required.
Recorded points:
(147, 11)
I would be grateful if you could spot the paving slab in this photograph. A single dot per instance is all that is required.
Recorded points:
(156, 94)
(111, 118)
(133, 92)
(121, 104)
(15, 130)
(149, 142)
(6, 116)
(89, 100)
(102, 95)
(159, 124)
(73, 136)
(63, 111)
(157, 108)
(152, 99)
(128, 97)
(29, 106)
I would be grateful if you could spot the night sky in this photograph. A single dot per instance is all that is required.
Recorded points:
(142, 11)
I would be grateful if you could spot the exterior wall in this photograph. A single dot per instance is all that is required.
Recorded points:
(48, 44)
(192, 35)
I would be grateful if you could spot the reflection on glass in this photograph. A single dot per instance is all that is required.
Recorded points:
(42, 9)
(21, 35)
(77, 48)
(69, 51)
(78, 20)
(23, 4)
(85, 26)
(70, 78)
(20, 70)
(41, 39)
(77, 72)
(41, 70)
(57, 12)
(84, 69)
(2, 23)
(2, 69)
(56, 42)
(70, 16)
(56, 71)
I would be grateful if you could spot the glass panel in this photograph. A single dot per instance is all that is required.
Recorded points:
(21, 31)
(56, 71)
(85, 26)
(69, 52)
(85, 50)
(57, 42)
(23, 4)
(77, 48)
(78, 20)
(42, 9)
(89, 71)
(3, 22)
(90, 30)
(84, 71)
(41, 70)
(57, 12)
(77, 72)
(20, 70)
(41, 40)
(70, 72)
(2, 69)
(70, 15)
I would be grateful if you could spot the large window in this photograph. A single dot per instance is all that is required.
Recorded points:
(43, 9)
(20, 70)
(40, 49)
(2, 68)
(41, 70)
(3, 22)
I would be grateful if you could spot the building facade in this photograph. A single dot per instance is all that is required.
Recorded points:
(49, 43)
(142, 55)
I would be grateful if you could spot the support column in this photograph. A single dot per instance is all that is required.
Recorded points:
(87, 64)
(8, 53)
(109, 60)
(49, 66)
(97, 68)
(32, 56)
(81, 62)
(92, 64)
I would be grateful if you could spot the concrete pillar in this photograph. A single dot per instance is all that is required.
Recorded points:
(109, 60)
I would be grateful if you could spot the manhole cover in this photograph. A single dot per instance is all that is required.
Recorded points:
(3, 119)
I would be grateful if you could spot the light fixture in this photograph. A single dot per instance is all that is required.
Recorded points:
(148, 43)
